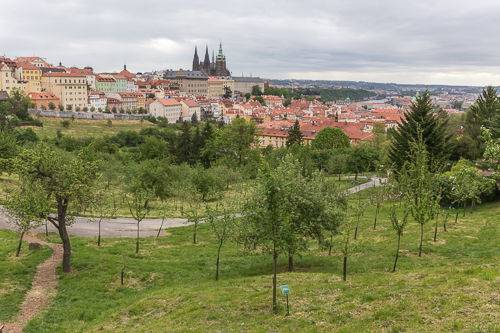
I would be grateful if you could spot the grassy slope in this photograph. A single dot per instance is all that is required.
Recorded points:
(169, 285)
(16, 274)
(82, 128)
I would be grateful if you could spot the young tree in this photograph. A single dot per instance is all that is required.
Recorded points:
(139, 208)
(63, 180)
(235, 140)
(330, 138)
(193, 216)
(336, 164)
(417, 182)
(163, 210)
(61, 107)
(420, 119)
(295, 136)
(399, 227)
(23, 206)
(105, 210)
(52, 106)
(358, 161)
(222, 222)
(358, 210)
(69, 107)
(347, 247)
(194, 119)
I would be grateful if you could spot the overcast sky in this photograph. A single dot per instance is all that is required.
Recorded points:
(419, 41)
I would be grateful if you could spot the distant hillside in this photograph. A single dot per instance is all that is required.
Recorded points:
(370, 85)
(329, 94)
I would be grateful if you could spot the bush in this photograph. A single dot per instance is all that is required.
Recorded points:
(65, 123)
(152, 119)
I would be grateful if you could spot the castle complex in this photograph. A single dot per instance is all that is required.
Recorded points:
(215, 68)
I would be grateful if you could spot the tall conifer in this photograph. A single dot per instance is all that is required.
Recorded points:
(184, 140)
(434, 134)
(295, 135)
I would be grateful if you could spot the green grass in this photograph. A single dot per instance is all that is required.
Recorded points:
(82, 128)
(16, 273)
(169, 285)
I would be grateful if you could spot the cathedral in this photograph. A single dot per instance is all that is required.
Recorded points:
(215, 68)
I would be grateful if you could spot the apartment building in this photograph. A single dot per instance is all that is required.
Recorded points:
(71, 89)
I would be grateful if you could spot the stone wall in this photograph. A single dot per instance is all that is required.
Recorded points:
(86, 115)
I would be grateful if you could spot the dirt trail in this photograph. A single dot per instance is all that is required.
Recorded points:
(42, 289)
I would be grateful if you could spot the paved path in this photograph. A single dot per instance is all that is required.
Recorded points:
(120, 227)
(124, 227)
(374, 180)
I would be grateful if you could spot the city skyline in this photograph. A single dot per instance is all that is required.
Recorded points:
(443, 42)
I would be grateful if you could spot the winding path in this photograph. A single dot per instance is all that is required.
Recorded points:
(42, 288)
(124, 227)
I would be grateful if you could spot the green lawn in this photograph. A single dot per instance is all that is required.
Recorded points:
(82, 128)
(16, 273)
(169, 285)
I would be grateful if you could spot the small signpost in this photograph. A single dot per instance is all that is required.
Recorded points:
(286, 290)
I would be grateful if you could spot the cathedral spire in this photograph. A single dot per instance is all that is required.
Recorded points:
(196, 60)
(221, 54)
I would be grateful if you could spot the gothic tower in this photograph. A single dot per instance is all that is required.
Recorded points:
(206, 63)
(196, 60)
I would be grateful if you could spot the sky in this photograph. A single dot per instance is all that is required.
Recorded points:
(421, 42)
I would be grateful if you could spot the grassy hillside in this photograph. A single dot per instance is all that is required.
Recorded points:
(81, 128)
(16, 273)
(170, 287)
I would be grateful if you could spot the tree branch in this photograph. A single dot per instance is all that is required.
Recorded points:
(53, 221)
(44, 174)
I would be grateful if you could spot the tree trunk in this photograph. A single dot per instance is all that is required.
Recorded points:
(339, 177)
(46, 228)
(397, 254)
(376, 213)
(345, 268)
(331, 241)
(465, 205)
(356, 231)
(275, 263)
(471, 207)
(160, 228)
(99, 237)
(62, 207)
(194, 235)
(20, 244)
(137, 243)
(356, 178)
(290, 262)
(444, 225)
(217, 270)
(436, 230)
(421, 239)
(456, 217)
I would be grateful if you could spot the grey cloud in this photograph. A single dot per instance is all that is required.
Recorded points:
(362, 39)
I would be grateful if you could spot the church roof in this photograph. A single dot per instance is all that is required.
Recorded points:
(187, 74)
(247, 79)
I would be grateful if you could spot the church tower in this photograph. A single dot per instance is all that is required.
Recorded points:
(220, 63)
(196, 60)
(206, 63)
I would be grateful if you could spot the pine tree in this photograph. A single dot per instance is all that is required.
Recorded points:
(295, 135)
(420, 117)
(207, 153)
(183, 147)
(197, 145)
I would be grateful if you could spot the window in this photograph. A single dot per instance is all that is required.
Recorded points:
(6, 81)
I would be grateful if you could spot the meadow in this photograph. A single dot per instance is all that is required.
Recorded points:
(83, 128)
(169, 286)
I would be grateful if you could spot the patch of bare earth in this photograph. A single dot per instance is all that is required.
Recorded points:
(42, 289)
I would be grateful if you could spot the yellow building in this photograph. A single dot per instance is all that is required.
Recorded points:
(141, 101)
(215, 87)
(31, 74)
(8, 79)
(71, 89)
